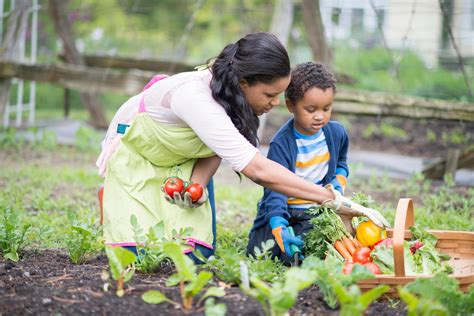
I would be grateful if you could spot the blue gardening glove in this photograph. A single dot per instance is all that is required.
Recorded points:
(282, 235)
(337, 186)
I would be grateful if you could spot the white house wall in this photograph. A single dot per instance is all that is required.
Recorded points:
(408, 24)
(463, 28)
(419, 31)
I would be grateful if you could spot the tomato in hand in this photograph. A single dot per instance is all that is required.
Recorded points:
(172, 185)
(362, 255)
(195, 190)
(348, 268)
(372, 267)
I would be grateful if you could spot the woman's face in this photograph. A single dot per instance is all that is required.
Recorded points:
(262, 97)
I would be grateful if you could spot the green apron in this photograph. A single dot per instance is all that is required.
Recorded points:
(148, 153)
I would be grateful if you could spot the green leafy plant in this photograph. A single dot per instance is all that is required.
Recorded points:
(456, 137)
(213, 309)
(389, 131)
(82, 240)
(353, 302)
(430, 136)
(12, 235)
(190, 282)
(445, 290)
(329, 273)
(121, 265)
(421, 306)
(149, 246)
(278, 298)
(226, 264)
(327, 228)
(10, 139)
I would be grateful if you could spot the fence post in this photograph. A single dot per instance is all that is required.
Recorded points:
(452, 162)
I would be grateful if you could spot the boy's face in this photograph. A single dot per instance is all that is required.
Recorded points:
(312, 111)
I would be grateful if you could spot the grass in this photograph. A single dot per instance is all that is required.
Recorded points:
(50, 189)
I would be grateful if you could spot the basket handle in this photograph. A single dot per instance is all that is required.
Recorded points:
(404, 218)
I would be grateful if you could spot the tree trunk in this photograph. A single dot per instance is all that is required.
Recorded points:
(17, 24)
(58, 12)
(315, 31)
(282, 21)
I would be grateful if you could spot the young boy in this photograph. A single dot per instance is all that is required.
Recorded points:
(311, 146)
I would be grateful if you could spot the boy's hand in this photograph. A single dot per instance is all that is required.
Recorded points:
(347, 209)
(282, 235)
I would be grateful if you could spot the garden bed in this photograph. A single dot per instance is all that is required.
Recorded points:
(46, 283)
(48, 186)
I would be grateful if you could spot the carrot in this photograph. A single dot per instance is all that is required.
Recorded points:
(356, 243)
(342, 250)
(349, 246)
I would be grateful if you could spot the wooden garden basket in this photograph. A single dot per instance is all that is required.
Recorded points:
(458, 244)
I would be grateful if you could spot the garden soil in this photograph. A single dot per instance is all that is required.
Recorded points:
(45, 282)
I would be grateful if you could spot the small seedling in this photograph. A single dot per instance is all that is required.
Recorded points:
(190, 282)
(12, 235)
(121, 265)
(82, 240)
(278, 298)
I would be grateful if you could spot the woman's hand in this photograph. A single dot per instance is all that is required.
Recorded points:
(185, 200)
(346, 209)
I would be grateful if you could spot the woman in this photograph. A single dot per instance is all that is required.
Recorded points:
(193, 120)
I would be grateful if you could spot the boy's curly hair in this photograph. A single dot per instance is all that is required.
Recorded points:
(306, 76)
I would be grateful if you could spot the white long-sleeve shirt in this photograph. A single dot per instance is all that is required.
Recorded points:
(185, 100)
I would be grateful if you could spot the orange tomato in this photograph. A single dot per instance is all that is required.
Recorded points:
(368, 233)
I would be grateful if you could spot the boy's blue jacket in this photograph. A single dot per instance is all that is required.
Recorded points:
(283, 150)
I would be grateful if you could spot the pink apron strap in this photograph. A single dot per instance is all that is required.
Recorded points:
(155, 78)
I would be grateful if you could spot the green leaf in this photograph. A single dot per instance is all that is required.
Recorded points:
(261, 286)
(154, 297)
(445, 290)
(213, 291)
(119, 259)
(297, 279)
(416, 306)
(196, 285)
(173, 280)
(82, 230)
(128, 275)
(184, 265)
(368, 297)
(13, 256)
(213, 309)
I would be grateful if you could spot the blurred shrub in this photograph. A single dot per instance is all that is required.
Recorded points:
(406, 74)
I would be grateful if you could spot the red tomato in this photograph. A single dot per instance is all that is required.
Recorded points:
(362, 255)
(372, 267)
(196, 191)
(172, 185)
(348, 268)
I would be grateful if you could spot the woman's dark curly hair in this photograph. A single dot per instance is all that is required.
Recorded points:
(306, 76)
(257, 57)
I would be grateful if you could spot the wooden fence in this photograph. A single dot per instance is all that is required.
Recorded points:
(128, 76)
(130, 81)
